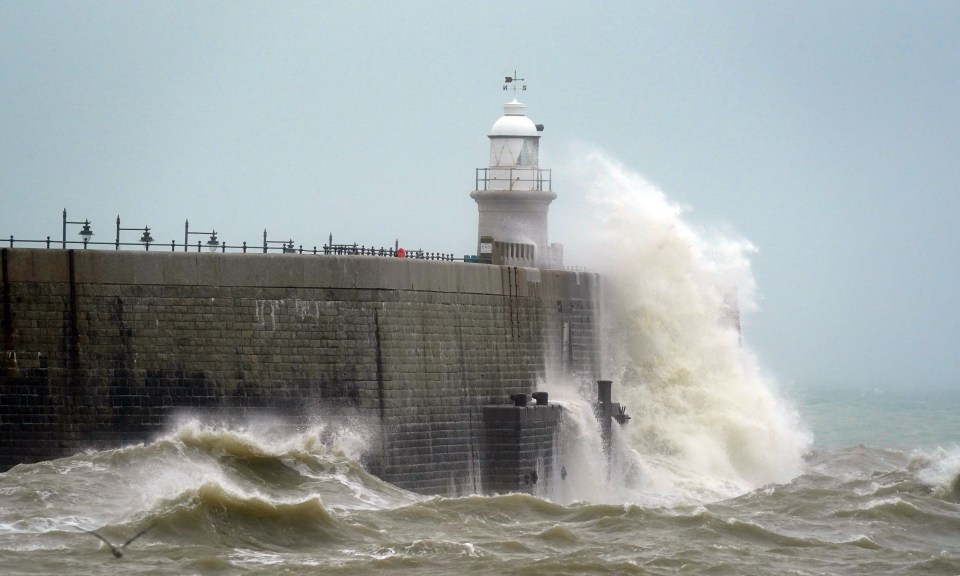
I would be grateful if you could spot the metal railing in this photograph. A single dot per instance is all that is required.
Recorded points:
(507, 178)
(213, 244)
(285, 247)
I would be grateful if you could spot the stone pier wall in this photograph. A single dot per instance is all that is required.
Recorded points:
(103, 348)
(518, 444)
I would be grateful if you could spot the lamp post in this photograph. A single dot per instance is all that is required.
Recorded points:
(146, 239)
(85, 233)
(211, 244)
(287, 245)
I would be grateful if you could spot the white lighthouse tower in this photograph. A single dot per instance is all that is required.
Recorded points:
(514, 194)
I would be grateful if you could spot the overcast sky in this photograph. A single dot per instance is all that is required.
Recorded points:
(826, 133)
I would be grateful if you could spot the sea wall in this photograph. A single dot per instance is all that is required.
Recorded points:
(518, 444)
(102, 348)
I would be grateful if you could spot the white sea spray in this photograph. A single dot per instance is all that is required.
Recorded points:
(707, 421)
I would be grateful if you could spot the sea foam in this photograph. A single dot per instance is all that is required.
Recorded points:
(707, 421)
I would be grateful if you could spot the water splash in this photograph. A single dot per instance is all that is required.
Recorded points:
(707, 422)
(583, 471)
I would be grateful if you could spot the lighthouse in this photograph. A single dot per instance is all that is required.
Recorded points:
(513, 194)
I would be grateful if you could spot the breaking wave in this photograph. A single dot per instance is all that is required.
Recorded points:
(707, 422)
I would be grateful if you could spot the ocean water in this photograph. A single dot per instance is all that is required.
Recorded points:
(244, 501)
(723, 470)
(903, 417)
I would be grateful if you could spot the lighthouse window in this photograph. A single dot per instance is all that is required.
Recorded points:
(523, 159)
(528, 153)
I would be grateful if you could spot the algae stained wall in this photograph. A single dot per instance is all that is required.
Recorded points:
(104, 348)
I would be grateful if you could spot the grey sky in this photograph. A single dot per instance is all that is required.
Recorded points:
(827, 133)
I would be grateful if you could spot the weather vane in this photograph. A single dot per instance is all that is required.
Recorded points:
(513, 80)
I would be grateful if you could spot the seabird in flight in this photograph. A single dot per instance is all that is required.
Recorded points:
(118, 550)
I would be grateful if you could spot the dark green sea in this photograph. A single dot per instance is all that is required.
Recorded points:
(877, 493)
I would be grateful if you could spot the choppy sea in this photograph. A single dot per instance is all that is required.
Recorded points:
(878, 493)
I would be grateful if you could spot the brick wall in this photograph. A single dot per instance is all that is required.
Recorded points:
(102, 348)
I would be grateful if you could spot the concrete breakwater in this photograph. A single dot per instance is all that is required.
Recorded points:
(102, 348)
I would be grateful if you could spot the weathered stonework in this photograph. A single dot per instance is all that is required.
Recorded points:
(102, 348)
(518, 445)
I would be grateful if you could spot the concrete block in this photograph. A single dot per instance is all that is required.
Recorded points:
(87, 266)
(47, 265)
(478, 278)
(138, 268)
(395, 274)
(433, 276)
(263, 270)
(179, 268)
(209, 266)
(367, 270)
(19, 264)
(332, 272)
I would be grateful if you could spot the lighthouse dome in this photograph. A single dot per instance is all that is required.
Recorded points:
(514, 122)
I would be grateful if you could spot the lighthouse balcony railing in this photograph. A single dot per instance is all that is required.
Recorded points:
(514, 179)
